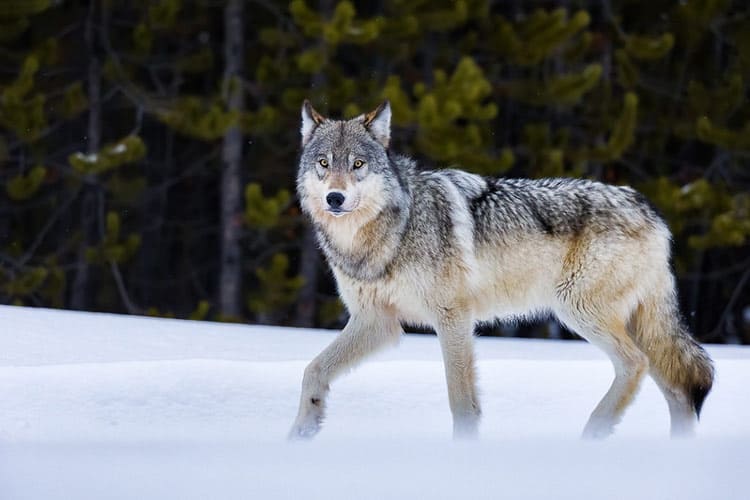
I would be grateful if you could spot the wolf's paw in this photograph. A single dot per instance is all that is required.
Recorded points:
(304, 431)
(466, 427)
(597, 432)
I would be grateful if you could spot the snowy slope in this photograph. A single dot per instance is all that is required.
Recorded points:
(106, 406)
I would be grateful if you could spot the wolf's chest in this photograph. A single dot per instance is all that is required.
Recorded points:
(404, 295)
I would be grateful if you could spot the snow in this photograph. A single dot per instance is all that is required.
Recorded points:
(88, 158)
(120, 148)
(104, 406)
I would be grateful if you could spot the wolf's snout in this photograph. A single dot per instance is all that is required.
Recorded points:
(335, 199)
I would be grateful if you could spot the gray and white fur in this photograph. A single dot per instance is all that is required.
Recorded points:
(448, 249)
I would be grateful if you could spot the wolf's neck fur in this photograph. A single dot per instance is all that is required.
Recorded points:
(366, 251)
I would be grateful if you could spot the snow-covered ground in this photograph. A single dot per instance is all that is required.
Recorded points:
(96, 406)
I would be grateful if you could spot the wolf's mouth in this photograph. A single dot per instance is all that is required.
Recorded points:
(337, 212)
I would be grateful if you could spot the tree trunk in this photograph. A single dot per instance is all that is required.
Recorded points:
(90, 196)
(230, 277)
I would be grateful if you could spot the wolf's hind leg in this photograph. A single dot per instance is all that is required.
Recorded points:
(679, 366)
(456, 342)
(361, 336)
(681, 412)
(630, 366)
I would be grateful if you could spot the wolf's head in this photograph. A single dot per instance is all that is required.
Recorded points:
(345, 175)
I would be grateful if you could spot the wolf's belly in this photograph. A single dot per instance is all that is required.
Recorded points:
(500, 281)
(517, 280)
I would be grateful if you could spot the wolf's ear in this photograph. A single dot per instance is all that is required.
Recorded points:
(378, 122)
(310, 121)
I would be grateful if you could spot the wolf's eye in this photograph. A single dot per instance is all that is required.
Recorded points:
(359, 164)
(323, 162)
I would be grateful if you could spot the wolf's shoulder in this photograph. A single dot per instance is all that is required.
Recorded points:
(468, 184)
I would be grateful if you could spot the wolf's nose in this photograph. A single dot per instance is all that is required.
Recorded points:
(335, 199)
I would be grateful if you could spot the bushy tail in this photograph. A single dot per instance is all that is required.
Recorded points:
(677, 361)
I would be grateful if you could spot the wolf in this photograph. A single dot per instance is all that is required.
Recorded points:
(447, 249)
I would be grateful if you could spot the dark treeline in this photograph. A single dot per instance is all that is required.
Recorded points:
(148, 148)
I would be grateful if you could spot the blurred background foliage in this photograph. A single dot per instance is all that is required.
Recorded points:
(148, 148)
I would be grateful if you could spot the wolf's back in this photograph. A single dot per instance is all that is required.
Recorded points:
(558, 207)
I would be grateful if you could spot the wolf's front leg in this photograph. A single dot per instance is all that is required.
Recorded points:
(456, 334)
(362, 335)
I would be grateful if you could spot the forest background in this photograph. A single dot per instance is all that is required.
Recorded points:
(148, 149)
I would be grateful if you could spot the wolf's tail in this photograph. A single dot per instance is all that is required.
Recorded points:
(677, 362)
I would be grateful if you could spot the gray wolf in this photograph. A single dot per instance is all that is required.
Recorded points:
(448, 249)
